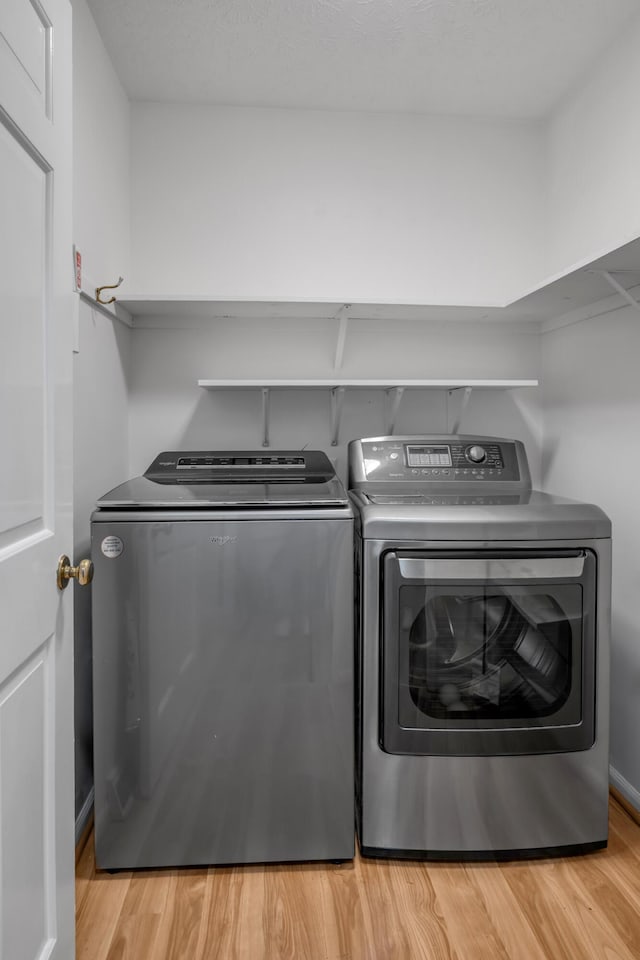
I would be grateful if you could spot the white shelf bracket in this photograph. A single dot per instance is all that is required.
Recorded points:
(265, 416)
(620, 289)
(337, 399)
(342, 316)
(394, 397)
(465, 393)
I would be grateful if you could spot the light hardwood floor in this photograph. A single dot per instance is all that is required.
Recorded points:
(576, 908)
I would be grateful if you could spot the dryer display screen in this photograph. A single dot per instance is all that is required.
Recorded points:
(439, 456)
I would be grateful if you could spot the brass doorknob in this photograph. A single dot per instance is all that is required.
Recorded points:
(83, 573)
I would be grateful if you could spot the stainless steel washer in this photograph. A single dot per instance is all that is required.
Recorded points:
(223, 662)
(483, 654)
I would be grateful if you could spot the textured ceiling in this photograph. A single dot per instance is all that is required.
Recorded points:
(496, 58)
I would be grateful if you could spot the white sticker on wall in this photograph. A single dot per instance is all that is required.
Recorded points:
(112, 547)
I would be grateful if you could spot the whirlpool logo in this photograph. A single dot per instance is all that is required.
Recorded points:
(221, 541)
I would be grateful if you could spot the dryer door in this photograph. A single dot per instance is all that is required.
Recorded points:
(488, 653)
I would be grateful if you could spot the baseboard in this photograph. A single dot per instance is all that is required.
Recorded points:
(626, 795)
(84, 824)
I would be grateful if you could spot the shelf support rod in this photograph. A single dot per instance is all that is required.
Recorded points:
(394, 397)
(337, 399)
(265, 416)
(342, 316)
(620, 289)
(466, 393)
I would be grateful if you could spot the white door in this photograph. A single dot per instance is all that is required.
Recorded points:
(36, 684)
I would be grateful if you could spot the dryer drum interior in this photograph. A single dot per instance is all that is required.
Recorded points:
(489, 655)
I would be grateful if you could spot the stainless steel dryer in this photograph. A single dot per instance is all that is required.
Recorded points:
(223, 662)
(483, 654)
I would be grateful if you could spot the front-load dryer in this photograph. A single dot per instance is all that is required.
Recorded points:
(483, 654)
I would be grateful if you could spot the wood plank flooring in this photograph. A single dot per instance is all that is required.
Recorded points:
(578, 908)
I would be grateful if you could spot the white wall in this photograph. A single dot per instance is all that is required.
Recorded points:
(101, 157)
(292, 204)
(589, 370)
(169, 410)
(591, 416)
(101, 370)
(267, 204)
(100, 410)
(593, 163)
(241, 202)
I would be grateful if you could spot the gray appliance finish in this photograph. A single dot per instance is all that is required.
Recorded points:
(223, 662)
(483, 654)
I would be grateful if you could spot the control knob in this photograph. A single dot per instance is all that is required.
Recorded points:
(476, 454)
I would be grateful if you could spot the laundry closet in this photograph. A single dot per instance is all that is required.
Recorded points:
(301, 278)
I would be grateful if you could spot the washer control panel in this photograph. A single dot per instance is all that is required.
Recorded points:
(445, 459)
(240, 466)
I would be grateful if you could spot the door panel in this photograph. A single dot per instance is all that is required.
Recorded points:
(23, 200)
(26, 818)
(24, 31)
(36, 678)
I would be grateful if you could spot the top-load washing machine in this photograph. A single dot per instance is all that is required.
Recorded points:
(483, 654)
(223, 662)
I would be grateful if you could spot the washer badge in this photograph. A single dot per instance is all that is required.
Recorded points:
(112, 547)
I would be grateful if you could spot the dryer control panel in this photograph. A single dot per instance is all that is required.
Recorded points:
(446, 459)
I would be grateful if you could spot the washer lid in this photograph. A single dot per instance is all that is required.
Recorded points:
(191, 479)
(145, 493)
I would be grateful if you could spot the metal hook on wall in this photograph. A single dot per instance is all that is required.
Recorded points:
(108, 286)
